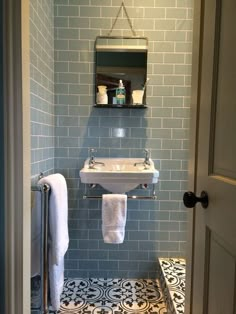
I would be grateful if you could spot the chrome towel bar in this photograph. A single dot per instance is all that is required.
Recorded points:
(134, 197)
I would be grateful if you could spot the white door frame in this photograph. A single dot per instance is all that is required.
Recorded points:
(17, 155)
(194, 122)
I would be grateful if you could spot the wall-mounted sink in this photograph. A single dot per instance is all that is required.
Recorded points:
(119, 175)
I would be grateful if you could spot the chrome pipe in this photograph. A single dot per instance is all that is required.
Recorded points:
(44, 189)
(44, 256)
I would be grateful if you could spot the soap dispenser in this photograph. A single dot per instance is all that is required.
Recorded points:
(120, 94)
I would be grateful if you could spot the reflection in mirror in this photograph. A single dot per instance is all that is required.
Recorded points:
(120, 58)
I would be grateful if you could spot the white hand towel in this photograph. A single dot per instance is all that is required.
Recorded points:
(114, 210)
(58, 234)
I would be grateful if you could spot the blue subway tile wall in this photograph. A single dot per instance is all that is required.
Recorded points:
(42, 87)
(154, 228)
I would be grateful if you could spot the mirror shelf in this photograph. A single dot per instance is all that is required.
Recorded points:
(129, 106)
(121, 106)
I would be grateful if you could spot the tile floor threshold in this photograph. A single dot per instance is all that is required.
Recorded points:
(172, 279)
(107, 296)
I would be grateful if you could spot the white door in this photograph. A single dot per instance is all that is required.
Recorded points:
(214, 246)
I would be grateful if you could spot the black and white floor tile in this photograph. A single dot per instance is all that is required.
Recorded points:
(173, 283)
(35, 292)
(108, 296)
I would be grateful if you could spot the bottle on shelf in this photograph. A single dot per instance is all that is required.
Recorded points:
(120, 94)
(102, 98)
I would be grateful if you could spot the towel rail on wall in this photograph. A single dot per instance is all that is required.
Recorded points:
(44, 189)
(134, 197)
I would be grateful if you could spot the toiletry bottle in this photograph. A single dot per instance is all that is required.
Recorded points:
(120, 94)
(102, 98)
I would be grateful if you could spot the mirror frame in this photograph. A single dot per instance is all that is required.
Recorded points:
(142, 48)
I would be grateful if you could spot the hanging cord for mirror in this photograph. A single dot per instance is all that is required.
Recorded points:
(128, 19)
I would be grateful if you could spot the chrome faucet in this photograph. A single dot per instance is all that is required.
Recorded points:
(92, 161)
(147, 157)
(146, 161)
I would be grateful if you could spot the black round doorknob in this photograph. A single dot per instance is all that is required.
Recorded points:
(190, 199)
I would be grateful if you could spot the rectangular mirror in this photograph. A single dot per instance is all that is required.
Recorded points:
(125, 59)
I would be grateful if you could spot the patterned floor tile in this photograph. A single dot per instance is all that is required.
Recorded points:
(35, 292)
(112, 296)
(173, 272)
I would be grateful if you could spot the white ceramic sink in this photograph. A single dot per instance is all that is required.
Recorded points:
(119, 175)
